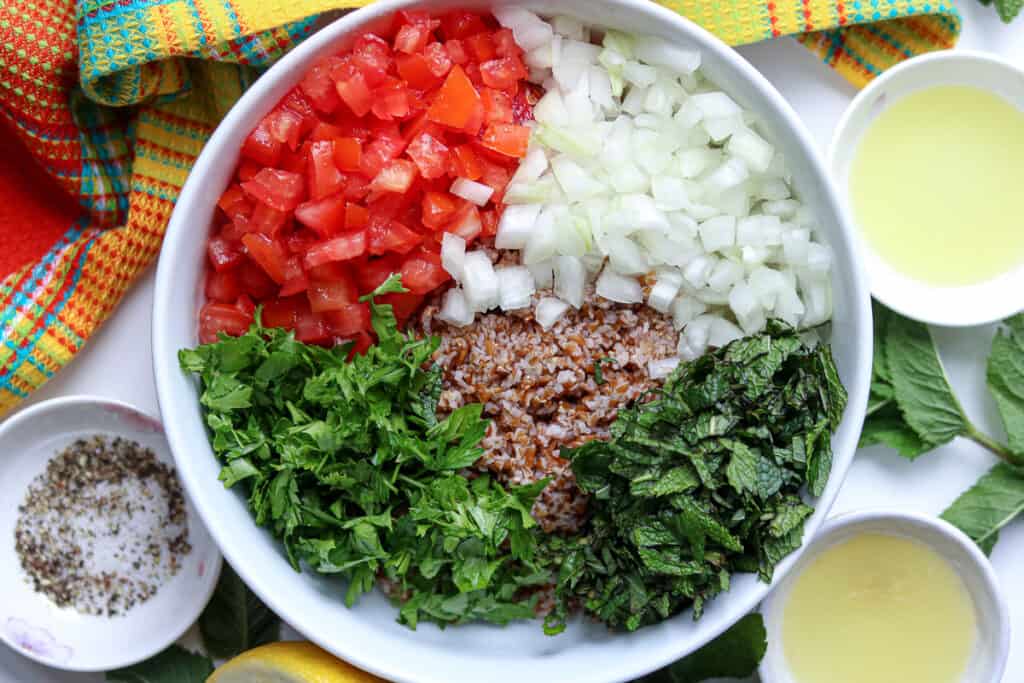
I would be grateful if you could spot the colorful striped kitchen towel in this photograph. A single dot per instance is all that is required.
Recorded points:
(105, 104)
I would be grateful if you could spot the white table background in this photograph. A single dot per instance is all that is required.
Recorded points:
(116, 362)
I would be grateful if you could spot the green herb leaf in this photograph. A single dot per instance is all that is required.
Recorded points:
(235, 620)
(888, 427)
(173, 665)
(598, 374)
(734, 654)
(992, 503)
(920, 385)
(701, 481)
(1009, 9)
(1005, 374)
(346, 462)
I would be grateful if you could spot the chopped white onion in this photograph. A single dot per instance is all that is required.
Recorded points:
(455, 309)
(516, 225)
(515, 287)
(570, 280)
(685, 309)
(453, 255)
(543, 274)
(549, 310)
(619, 288)
(665, 290)
(472, 191)
(480, 282)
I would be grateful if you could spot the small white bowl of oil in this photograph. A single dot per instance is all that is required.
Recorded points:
(929, 159)
(887, 596)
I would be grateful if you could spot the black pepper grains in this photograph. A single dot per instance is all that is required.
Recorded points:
(103, 527)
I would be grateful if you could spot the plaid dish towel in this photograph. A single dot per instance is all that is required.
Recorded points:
(105, 105)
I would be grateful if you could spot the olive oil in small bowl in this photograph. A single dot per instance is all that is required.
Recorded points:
(929, 158)
(887, 597)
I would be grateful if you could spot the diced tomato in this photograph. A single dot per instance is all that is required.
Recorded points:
(481, 47)
(371, 54)
(301, 240)
(281, 190)
(330, 296)
(245, 304)
(234, 202)
(361, 343)
(296, 279)
(325, 216)
(466, 223)
(455, 102)
(418, 17)
(403, 305)
(506, 138)
(496, 177)
(248, 169)
(456, 50)
(476, 119)
(266, 220)
(466, 163)
(390, 100)
(372, 273)
(285, 126)
(347, 152)
(357, 186)
(348, 320)
(439, 61)
(378, 153)
(416, 71)
(221, 317)
(503, 73)
(461, 23)
(268, 254)
(293, 161)
(422, 272)
(356, 93)
(356, 216)
(223, 253)
(397, 176)
(386, 235)
(324, 177)
(254, 280)
(497, 106)
(297, 102)
(261, 146)
(311, 328)
(326, 131)
(283, 312)
(412, 38)
(429, 154)
(319, 87)
(341, 248)
(505, 44)
(438, 209)
(222, 286)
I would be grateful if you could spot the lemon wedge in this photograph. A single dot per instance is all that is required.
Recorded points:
(289, 662)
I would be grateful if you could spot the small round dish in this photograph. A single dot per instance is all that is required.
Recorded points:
(974, 304)
(62, 637)
(989, 658)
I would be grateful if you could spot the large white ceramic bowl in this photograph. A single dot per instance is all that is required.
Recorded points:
(368, 635)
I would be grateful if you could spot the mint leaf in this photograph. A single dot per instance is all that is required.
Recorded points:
(887, 427)
(1005, 375)
(235, 620)
(1009, 9)
(989, 505)
(734, 654)
(173, 665)
(920, 385)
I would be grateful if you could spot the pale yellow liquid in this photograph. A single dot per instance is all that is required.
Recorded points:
(937, 182)
(878, 609)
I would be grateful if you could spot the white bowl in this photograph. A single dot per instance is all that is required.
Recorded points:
(989, 658)
(368, 635)
(975, 304)
(62, 637)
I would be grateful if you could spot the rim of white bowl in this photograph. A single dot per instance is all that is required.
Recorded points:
(357, 648)
(961, 306)
(194, 603)
(773, 666)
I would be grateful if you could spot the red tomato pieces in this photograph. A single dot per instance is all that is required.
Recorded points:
(346, 181)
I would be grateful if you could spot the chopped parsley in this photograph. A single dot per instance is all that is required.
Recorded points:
(346, 462)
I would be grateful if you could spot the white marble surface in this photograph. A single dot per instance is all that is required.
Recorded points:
(116, 361)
